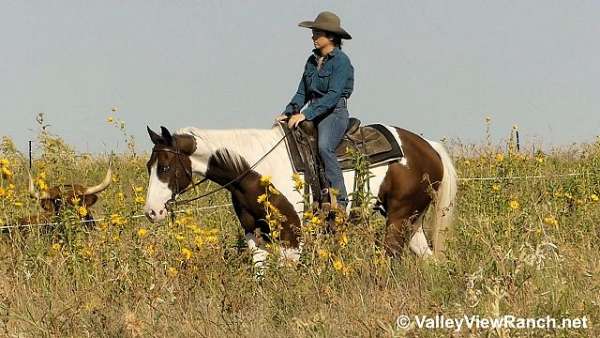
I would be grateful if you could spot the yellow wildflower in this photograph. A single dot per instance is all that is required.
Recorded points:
(344, 240)
(315, 220)
(171, 272)
(550, 220)
(195, 228)
(334, 192)
(594, 197)
(116, 219)
(339, 219)
(6, 173)
(56, 247)
(273, 191)
(139, 200)
(568, 195)
(18, 204)
(121, 196)
(4, 162)
(514, 204)
(539, 159)
(110, 119)
(298, 182)
(212, 239)
(186, 253)
(496, 187)
(82, 211)
(499, 157)
(323, 253)
(42, 184)
(142, 232)
(198, 241)
(2, 192)
(87, 252)
(338, 265)
(308, 215)
(467, 163)
(265, 180)
(138, 189)
(274, 234)
(150, 250)
(261, 198)
(179, 237)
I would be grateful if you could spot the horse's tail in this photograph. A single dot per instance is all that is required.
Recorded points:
(444, 201)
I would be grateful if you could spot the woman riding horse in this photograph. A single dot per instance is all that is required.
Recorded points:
(326, 85)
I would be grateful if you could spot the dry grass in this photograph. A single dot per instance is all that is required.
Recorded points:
(528, 248)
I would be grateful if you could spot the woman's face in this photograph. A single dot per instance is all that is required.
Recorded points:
(320, 39)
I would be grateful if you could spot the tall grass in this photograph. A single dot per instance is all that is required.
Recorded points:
(524, 246)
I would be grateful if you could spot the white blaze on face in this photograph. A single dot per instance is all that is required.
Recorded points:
(158, 195)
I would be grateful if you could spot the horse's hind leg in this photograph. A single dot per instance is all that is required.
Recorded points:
(418, 243)
(400, 228)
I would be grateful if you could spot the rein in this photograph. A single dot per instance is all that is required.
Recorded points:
(173, 202)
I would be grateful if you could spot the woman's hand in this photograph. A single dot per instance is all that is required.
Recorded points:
(281, 117)
(295, 120)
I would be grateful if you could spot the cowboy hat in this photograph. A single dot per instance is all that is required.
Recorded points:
(327, 21)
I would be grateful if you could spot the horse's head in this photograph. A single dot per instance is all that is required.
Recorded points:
(170, 170)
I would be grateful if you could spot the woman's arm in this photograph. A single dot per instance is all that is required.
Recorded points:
(300, 98)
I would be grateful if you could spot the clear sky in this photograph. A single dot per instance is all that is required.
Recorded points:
(434, 67)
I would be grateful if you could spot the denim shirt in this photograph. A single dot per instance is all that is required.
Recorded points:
(323, 87)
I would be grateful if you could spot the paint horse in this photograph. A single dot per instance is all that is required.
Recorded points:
(425, 178)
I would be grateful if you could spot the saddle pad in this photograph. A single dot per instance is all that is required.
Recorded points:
(375, 140)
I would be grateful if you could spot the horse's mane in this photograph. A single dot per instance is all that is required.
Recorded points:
(232, 163)
(247, 143)
(231, 150)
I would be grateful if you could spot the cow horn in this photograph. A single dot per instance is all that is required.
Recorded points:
(103, 185)
(33, 192)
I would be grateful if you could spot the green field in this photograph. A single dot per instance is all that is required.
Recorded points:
(525, 246)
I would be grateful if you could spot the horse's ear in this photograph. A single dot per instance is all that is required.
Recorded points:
(156, 139)
(185, 143)
(166, 134)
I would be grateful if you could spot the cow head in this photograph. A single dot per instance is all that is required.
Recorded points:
(54, 199)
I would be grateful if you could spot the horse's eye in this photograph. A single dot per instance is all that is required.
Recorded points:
(163, 169)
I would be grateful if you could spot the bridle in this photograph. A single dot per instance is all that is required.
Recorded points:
(172, 203)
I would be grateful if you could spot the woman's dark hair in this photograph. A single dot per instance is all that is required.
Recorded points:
(337, 40)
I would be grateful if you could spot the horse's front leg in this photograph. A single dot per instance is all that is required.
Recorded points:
(255, 243)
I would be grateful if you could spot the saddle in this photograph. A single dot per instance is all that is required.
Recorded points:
(375, 141)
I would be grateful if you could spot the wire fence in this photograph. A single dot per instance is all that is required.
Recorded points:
(6, 227)
(463, 179)
(527, 177)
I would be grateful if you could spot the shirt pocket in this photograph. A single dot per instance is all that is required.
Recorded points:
(308, 77)
(324, 77)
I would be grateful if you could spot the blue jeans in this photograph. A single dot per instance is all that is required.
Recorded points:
(331, 129)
